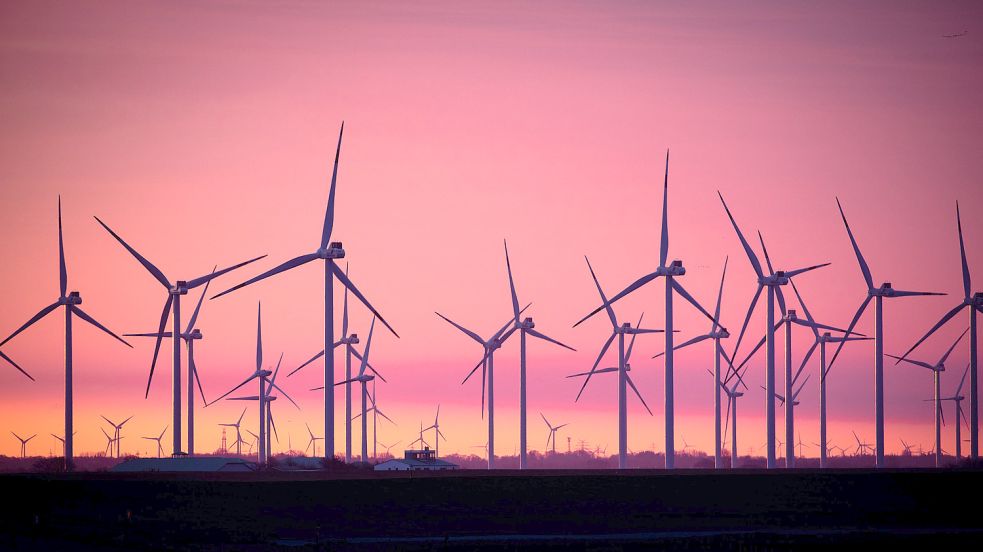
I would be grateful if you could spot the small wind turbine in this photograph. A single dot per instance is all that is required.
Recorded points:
(774, 281)
(388, 447)
(525, 326)
(23, 443)
(374, 409)
(670, 272)
(937, 370)
(624, 380)
(270, 398)
(960, 416)
(906, 447)
(877, 294)
(732, 395)
(552, 436)
(238, 442)
(173, 303)
(363, 379)
(313, 441)
(71, 302)
(110, 441)
(117, 430)
(62, 441)
(975, 303)
(329, 252)
(423, 444)
(437, 434)
(160, 448)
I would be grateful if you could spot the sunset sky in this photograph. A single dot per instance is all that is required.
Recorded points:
(203, 133)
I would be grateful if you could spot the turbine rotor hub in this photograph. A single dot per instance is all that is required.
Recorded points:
(334, 251)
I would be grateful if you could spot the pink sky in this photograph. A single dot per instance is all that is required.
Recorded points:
(203, 134)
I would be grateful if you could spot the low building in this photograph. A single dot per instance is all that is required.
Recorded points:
(416, 460)
(185, 464)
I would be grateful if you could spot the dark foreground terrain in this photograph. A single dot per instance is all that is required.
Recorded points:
(498, 510)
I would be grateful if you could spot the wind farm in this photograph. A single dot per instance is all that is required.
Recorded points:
(491, 187)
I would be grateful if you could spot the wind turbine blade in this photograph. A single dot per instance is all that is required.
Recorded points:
(755, 263)
(805, 360)
(545, 420)
(63, 270)
(15, 365)
(692, 341)
(805, 310)
(387, 418)
(234, 389)
(240, 416)
(639, 395)
(945, 318)
(150, 334)
(913, 362)
(481, 364)
(368, 365)
(902, 293)
(664, 245)
(194, 369)
(368, 345)
(799, 390)
(329, 212)
(720, 297)
(685, 294)
(515, 300)
(631, 344)
(747, 318)
(292, 263)
(765, 250)
(41, 314)
(949, 352)
(849, 330)
(207, 278)
(160, 335)
(817, 325)
(605, 303)
(81, 314)
(273, 425)
(535, 333)
(194, 315)
(856, 249)
(466, 331)
(958, 389)
(344, 315)
(284, 393)
(358, 294)
(153, 270)
(797, 271)
(315, 357)
(967, 285)
(600, 355)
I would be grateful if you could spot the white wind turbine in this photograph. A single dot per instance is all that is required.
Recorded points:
(670, 273)
(376, 412)
(937, 370)
(552, 436)
(717, 332)
(157, 439)
(190, 335)
(437, 434)
(71, 302)
(313, 441)
(23, 443)
(487, 365)
(423, 443)
(960, 416)
(264, 394)
(172, 308)
(363, 379)
(270, 398)
(878, 294)
(349, 341)
(328, 252)
(624, 380)
(732, 395)
(821, 340)
(975, 303)
(117, 430)
(525, 326)
(239, 441)
(773, 281)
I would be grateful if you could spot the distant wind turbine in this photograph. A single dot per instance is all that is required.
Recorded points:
(23, 443)
(552, 436)
(157, 439)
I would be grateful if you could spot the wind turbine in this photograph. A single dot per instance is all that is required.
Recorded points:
(238, 442)
(960, 416)
(975, 303)
(773, 281)
(907, 448)
(619, 331)
(437, 434)
(313, 441)
(670, 272)
(329, 252)
(376, 412)
(937, 370)
(552, 436)
(877, 294)
(420, 440)
(23, 443)
(110, 441)
(525, 326)
(190, 335)
(732, 395)
(172, 308)
(821, 340)
(254, 441)
(717, 332)
(389, 447)
(264, 394)
(364, 378)
(862, 446)
(117, 430)
(71, 302)
(487, 365)
(160, 449)
(269, 398)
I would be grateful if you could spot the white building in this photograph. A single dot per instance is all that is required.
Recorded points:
(416, 460)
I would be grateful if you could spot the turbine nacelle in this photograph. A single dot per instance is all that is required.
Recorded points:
(527, 323)
(977, 299)
(776, 279)
(675, 268)
(195, 334)
(333, 251)
(350, 340)
(73, 298)
(180, 288)
(886, 290)
(721, 333)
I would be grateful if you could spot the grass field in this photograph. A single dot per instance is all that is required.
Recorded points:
(597, 510)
